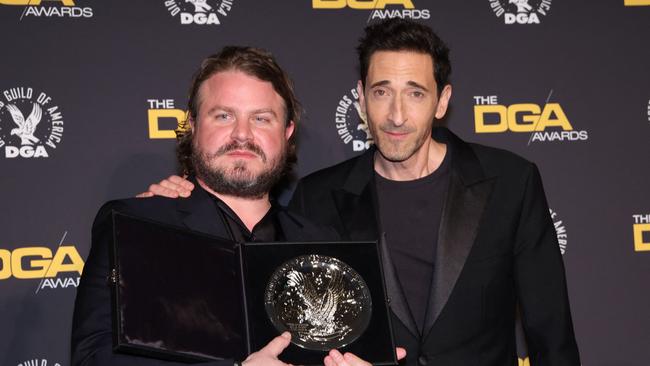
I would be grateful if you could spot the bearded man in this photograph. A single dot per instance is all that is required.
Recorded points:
(240, 143)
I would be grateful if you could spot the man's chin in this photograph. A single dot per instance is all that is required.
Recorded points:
(395, 153)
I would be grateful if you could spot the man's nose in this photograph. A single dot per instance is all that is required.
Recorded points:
(396, 114)
(242, 131)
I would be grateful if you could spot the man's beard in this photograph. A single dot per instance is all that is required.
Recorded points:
(237, 180)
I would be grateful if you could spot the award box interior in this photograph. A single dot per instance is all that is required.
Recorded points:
(187, 296)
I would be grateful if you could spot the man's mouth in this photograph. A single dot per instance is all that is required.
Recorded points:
(396, 134)
(246, 154)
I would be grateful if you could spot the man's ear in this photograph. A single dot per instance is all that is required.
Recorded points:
(362, 97)
(288, 131)
(192, 123)
(443, 101)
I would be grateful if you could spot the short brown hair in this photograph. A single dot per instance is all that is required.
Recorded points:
(404, 35)
(252, 61)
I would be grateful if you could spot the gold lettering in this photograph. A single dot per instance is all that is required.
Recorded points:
(479, 118)
(39, 266)
(154, 127)
(639, 244)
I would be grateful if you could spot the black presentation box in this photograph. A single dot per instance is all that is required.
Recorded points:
(187, 296)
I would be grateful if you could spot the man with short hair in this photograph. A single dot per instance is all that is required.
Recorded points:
(242, 116)
(466, 228)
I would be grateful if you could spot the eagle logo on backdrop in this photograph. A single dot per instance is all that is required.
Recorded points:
(33, 135)
(352, 123)
(199, 12)
(521, 11)
(26, 128)
(522, 6)
(200, 6)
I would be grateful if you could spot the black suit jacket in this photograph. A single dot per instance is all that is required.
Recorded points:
(496, 247)
(92, 328)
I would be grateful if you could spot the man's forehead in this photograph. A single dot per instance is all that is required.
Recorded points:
(239, 91)
(408, 65)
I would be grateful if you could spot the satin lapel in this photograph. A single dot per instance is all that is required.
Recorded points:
(200, 213)
(358, 215)
(396, 296)
(459, 225)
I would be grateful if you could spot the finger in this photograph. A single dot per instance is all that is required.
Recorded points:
(178, 190)
(277, 345)
(353, 360)
(401, 352)
(338, 358)
(169, 185)
(186, 184)
(144, 195)
(328, 361)
(159, 190)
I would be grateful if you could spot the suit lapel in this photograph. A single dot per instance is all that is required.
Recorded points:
(357, 208)
(201, 214)
(396, 295)
(468, 193)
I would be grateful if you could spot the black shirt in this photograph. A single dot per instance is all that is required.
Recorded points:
(268, 229)
(409, 213)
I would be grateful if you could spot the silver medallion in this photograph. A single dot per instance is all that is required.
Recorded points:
(323, 302)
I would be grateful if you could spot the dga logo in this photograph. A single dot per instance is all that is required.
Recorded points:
(560, 231)
(641, 230)
(521, 11)
(64, 8)
(379, 9)
(60, 269)
(546, 122)
(164, 119)
(351, 123)
(38, 362)
(30, 123)
(200, 12)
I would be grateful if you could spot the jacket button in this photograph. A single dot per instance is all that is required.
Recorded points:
(422, 360)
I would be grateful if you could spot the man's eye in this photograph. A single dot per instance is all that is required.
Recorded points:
(222, 116)
(418, 94)
(261, 119)
(379, 92)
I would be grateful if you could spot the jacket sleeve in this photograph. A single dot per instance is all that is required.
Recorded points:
(92, 341)
(540, 282)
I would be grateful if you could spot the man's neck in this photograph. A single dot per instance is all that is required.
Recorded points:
(249, 210)
(424, 162)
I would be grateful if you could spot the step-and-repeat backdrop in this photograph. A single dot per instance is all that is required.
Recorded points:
(565, 84)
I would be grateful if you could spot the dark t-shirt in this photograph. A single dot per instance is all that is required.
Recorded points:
(409, 213)
(268, 229)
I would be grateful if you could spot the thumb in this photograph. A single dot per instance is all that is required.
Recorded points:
(277, 345)
(401, 353)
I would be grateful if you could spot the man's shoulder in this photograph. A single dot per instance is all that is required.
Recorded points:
(154, 208)
(336, 174)
(497, 161)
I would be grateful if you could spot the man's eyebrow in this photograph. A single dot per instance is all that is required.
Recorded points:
(264, 110)
(220, 108)
(410, 83)
(417, 85)
(380, 83)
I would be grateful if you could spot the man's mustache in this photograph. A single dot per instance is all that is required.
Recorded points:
(236, 146)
